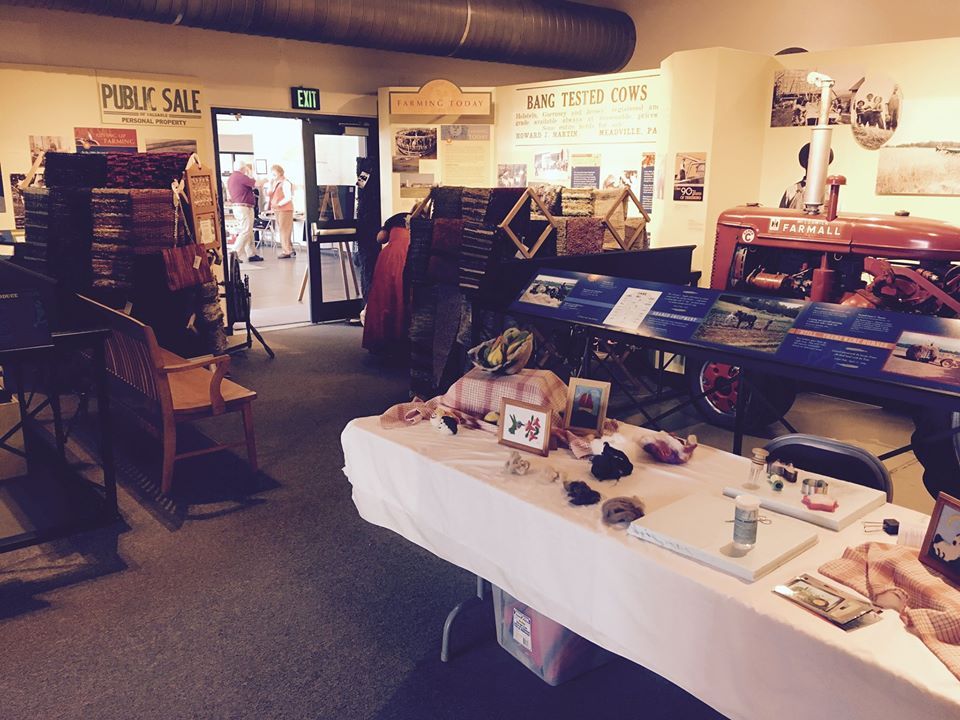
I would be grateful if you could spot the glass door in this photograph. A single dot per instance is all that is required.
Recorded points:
(332, 148)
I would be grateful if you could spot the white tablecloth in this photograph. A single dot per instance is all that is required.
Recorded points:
(738, 647)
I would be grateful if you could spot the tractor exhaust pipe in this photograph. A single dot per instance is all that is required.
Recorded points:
(819, 158)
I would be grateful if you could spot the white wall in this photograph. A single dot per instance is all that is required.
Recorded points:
(766, 26)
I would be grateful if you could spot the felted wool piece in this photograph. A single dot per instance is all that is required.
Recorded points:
(477, 252)
(445, 251)
(576, 202)
(418, 254)
(144, 170)
(112, 216)
(604, 201)
(447, 202)
(80, 170)
(582, 236)
(475, 202)
(153, 221)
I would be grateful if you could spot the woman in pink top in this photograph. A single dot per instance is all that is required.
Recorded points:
(281, 202)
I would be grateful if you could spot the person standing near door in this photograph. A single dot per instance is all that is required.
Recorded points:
(281, 202)
(240, 186)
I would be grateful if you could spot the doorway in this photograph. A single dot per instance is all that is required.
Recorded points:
(318, 155)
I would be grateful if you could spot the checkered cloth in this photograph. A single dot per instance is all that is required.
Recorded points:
(477, 393)
(929, 607)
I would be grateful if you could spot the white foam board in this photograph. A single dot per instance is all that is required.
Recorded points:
(697, 526)
(854, 501)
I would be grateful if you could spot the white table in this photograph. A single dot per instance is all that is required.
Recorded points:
(738, 647)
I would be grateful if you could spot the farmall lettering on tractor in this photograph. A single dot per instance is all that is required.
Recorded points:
(896, 262)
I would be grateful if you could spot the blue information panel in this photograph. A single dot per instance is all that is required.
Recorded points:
(914, 349)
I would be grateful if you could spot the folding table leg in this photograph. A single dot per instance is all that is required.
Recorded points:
(480, 598)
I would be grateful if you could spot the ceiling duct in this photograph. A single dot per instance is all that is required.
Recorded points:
(542, 33)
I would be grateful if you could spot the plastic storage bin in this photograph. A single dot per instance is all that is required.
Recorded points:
(546, 647)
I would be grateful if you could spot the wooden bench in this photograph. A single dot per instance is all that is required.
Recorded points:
(162, 389)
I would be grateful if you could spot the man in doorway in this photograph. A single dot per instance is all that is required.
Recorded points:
(240, 186)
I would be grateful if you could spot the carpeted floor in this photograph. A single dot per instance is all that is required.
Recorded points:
(268, 597)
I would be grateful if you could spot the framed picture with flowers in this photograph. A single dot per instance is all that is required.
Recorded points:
(525, 426)
(587, 405)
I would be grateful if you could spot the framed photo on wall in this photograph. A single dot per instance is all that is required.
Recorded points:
(941, 546)
(261, 166)
(587, 405)
(525, 426)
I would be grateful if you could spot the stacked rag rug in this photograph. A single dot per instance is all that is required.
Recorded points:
(112, 251)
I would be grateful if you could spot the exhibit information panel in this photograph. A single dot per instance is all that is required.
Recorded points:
(918, 350)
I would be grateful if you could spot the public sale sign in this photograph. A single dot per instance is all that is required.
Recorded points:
(145, 101)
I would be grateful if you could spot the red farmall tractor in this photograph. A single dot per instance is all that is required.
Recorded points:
(894, 263)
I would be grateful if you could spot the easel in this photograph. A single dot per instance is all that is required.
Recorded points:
(331, 200)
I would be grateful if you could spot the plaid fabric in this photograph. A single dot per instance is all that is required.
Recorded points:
(478, 393)
(187, 266)
(930, 607)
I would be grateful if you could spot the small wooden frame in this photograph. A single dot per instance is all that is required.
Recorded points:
(587, 416)
(625, 195)
(551, 223)
(943, 556)
(525, 426)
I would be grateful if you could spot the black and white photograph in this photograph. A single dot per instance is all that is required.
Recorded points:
(416, 185)
(796, 102)
(411, 145)
(178, 145)
(16, 199)
(512, 175)
(934, 357)
(876, 112)
(924, 157)
(754, 323)
(552, 166)
(941, 546)
(46, 143)
(548, 291)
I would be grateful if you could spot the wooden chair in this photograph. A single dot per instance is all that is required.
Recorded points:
(162, 389)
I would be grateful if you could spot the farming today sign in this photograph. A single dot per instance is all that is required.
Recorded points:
(149, 102)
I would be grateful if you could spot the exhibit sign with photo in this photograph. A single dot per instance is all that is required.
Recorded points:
(615, 110)
(689, 176)
(552, 167)
(916, 350)
(924, 158)
(105, 140)
(647, 177)
(149, 101)
(466, 155)
(585, 170)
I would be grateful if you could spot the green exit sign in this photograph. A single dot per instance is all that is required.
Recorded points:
(304, 98)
